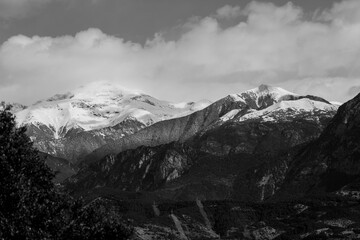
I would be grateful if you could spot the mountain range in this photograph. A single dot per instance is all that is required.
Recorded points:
(200, 155)
(263, 146)
(71, 125)
(101, 120)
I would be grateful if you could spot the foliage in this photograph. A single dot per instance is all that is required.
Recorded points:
(31, 207)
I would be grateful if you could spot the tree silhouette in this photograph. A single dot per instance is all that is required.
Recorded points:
(31, 207)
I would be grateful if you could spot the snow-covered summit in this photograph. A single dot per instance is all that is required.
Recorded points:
(288, 109)
(98, 105)
(276, 93)
(263, 96)
(96, 91)
(269, 103)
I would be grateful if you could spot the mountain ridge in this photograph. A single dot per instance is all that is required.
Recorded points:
(327, 164)
(183, 128)
(175, 158)
(99, 105)
(73, 124)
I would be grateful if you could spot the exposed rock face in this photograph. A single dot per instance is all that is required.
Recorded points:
(232, 149)
(278, 152)
(221, 147)
(330, 163)
(148, 168)
(333, 160)
(251, 105)
(179, 129)
(74, 124)
(77, 143)
(261, 182)
(145, 168)
(256, 136)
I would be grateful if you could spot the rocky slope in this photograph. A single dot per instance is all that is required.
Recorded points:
(296, 168)
(232, 107)
(330, 163)
(333, 160)
(72, 125)
(211, 146)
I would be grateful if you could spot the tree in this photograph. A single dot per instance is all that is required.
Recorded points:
(31, 207)
(26, 189)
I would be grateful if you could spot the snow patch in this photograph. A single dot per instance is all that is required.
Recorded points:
(265, 180)
(275, 92)
(277, 110)
(237, 98)
(230, 115)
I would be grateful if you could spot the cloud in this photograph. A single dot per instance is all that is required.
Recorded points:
(228, 12)
(272, 44)
(343, 12)
(19, 8)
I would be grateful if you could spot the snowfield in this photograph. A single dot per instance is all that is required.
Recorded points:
(99, 105)
(282, 104)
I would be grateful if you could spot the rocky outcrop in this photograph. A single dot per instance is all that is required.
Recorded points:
(209, 167)
(179, 129)
(261, 182)
(329, 163)
(256, 136)
(333, 160)
(145, 168)
(77, 143)
(74, 124)
(255, 100)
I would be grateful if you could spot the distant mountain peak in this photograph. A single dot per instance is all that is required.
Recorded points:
(264, 89)
(269, 103)
(98, 105)
(98, 90)
(263, 96)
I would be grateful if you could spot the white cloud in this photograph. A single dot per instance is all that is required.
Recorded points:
(228, 12)
(19, 8)
(274, 45)
(343, 13)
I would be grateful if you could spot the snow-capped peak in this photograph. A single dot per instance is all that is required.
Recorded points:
(262, 96)
(288, 109)
(265, 90)
(103, 89)
(273, 103)
(96, 91)
(98, 105)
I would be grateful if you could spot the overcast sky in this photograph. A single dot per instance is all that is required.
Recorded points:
(179, 50)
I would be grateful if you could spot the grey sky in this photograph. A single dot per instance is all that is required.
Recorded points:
(133, 20)
(194, 49)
